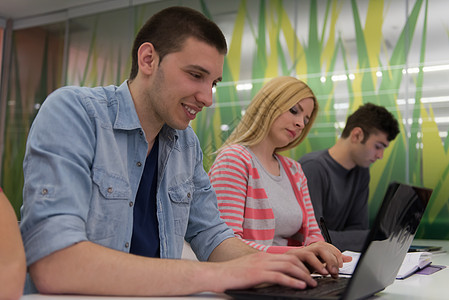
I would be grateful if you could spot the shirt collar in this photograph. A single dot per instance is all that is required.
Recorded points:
(169, 133)
(126, 118)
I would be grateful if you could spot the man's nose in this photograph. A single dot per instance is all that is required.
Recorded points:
(204, 96)
(380, 153)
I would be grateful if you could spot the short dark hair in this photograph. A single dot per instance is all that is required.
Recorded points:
(168, 29)
(370, 117)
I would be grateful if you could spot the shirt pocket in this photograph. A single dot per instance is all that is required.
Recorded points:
(180, 198)
(111, 186)
(109, 211)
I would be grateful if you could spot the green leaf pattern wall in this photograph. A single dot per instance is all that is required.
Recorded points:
(392, 53)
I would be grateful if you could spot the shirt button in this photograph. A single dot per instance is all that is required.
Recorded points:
(44, 191)
(131, 204)
(139, 164)
(110, 190)
(126, 245)
(188, 195)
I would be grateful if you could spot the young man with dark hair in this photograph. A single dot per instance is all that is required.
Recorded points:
(114, 181)
(338, 177)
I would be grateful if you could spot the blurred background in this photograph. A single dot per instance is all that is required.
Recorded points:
(390, 52)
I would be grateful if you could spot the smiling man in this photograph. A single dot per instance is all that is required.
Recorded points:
(114, 181)
(338, 177)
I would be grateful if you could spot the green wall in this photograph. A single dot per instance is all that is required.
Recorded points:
(350, 52)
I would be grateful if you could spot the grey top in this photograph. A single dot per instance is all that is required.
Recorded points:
(340, 196)
(286, 209)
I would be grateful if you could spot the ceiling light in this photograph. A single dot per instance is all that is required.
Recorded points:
(244, 86)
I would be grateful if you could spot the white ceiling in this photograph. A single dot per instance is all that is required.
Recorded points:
(19, 9)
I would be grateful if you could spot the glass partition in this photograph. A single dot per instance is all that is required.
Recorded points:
(393, 53)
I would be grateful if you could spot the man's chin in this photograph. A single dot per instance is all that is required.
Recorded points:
(368, 164)
(179, 126)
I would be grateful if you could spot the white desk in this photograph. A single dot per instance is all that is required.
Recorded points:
(203, 296)
(435, 286)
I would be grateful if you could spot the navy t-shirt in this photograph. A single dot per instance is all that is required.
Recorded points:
(145, 239)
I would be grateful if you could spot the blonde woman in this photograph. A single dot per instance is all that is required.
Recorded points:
(12, 255)
(262, 195)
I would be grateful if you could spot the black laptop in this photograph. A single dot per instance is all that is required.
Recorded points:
(385, 248)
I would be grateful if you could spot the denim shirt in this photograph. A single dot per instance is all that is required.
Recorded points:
(84, 159)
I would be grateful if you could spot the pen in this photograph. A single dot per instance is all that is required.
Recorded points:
(324, 231)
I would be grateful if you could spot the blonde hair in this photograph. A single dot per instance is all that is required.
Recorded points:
(276, 97)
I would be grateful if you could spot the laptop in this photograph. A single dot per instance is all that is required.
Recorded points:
(384, 250)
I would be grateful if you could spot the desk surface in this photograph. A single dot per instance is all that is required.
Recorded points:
(417, 286)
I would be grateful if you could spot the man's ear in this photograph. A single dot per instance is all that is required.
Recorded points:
(147, 58)
(356, 134)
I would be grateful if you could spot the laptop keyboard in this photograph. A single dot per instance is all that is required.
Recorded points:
(326, 286)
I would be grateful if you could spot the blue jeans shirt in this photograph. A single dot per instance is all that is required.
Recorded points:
(84, 159)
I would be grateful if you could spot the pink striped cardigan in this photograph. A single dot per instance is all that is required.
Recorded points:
(243, 202)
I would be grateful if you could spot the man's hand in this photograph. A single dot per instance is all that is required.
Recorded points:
(259, 268)
(321, 257)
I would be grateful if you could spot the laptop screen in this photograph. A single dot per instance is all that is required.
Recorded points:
(392, 233)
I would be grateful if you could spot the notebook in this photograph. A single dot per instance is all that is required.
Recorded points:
(385, 248)
(413, 262)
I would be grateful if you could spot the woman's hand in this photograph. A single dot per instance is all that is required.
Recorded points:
(321, 257)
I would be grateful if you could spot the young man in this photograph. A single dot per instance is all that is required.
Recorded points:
(114, 181)
(338, 177)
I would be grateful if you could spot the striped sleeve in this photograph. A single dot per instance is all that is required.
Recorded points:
(229, 177)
